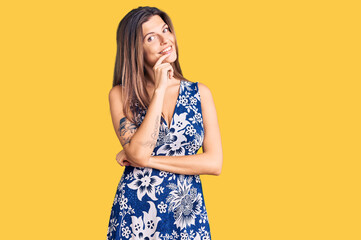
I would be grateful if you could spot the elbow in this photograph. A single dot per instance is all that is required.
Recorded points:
(217, 171)
(138, 154)
(134, 156)
(141, 159)
(218, 167)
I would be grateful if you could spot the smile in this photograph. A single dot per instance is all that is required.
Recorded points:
(167, 50)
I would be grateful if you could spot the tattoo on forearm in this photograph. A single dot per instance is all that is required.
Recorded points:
(126, 130)
(154, 136)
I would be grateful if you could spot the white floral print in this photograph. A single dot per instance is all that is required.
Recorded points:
(145, 183)
(180, 121)
(112, 226)
(190, 130)
(195, 144)
(162, 207)
(125, 232)
(145, 227)
(184, 202)
(123, 203)
(156, 204)
(159, 189)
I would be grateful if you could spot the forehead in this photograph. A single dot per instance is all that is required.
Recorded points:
(155, 22)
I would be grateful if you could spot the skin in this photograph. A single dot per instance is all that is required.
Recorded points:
(210, 161)
(157, 37)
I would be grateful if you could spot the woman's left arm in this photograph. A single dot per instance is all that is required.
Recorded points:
(210, 161)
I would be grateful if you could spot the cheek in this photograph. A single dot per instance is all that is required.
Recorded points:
(150, 58)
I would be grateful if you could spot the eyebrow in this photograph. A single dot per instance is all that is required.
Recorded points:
(152, 32)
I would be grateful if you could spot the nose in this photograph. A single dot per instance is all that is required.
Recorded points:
(164, 40)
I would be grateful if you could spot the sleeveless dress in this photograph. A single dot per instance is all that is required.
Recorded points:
(154, 204)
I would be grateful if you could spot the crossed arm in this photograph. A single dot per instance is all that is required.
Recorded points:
(204, 163)
(209, 162)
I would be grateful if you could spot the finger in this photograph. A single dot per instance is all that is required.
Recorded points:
(126, 163)
(120, 162)
(159, 61)
(171, 73)
(133, 164)
(163, 65)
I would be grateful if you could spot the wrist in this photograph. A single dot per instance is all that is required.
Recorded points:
(159, 91)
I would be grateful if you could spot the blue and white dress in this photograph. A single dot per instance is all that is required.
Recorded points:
(154, 204)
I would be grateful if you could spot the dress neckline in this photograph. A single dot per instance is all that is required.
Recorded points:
(175, 107)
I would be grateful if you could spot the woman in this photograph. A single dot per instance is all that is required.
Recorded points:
(159, 119)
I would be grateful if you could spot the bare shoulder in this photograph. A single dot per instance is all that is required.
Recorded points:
(204, 92)
(116, 102)
(115, 98)
(115, 92)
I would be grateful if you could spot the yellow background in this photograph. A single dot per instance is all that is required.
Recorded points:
(285, 77)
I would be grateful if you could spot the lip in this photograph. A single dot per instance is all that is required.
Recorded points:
(171, 49)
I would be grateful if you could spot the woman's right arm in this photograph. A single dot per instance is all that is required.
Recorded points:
(138, 143)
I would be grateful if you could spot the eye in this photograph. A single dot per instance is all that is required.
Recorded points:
(163, 31)
(149, 38)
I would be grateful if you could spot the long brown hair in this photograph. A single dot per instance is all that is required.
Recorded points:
(129, 68)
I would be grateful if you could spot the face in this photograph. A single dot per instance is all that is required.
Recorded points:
(156, 38)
